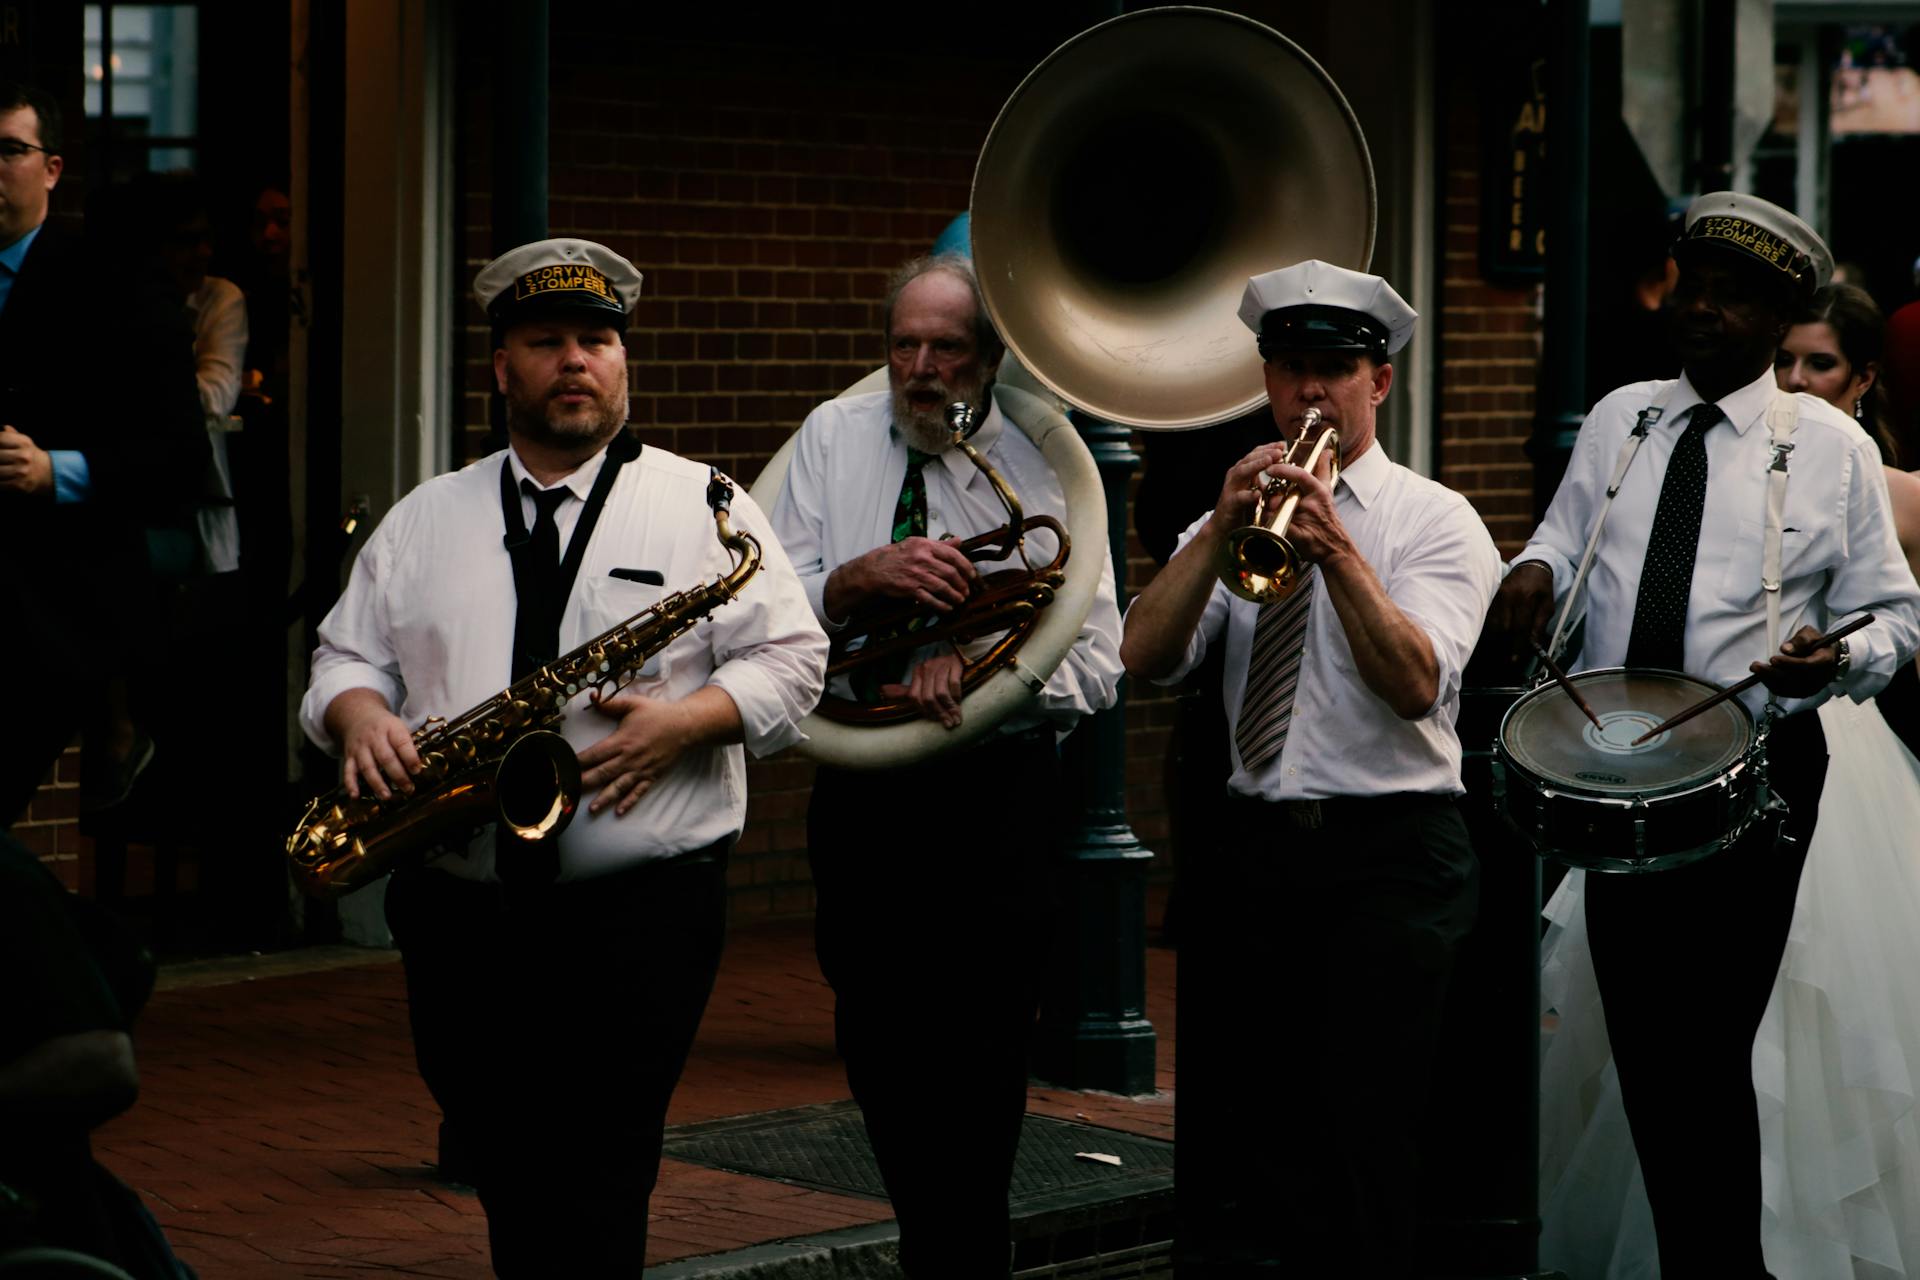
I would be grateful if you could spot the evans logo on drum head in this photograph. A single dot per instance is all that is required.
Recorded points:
(1587, 776)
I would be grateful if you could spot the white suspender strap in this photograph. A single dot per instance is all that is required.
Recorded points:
(1649, 416)
(1782, 416)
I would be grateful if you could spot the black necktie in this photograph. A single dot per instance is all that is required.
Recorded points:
(536, 628)
(1666, 578)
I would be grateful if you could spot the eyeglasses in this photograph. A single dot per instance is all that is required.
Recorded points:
(11, 149)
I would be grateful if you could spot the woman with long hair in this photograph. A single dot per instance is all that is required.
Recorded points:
(1834, 351)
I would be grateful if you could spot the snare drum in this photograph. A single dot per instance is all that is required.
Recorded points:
(1590, 798)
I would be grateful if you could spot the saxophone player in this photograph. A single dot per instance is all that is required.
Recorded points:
(554, 992)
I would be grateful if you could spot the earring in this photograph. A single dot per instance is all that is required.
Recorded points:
(1857, 402)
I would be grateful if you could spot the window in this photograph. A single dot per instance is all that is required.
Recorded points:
(142, 72)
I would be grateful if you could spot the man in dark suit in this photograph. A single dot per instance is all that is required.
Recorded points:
(100, 429)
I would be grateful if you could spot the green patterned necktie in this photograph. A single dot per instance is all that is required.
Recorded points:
(910, 512)
(909, 521)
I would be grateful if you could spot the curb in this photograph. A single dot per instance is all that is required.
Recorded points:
(855, 1253)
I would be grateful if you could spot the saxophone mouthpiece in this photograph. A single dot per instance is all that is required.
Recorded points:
(962, 419)
(719, 491)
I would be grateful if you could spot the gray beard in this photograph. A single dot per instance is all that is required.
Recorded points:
(924, 431)
(927, 430)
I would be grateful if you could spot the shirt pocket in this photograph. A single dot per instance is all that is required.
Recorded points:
(606, 602)
(1740, 577)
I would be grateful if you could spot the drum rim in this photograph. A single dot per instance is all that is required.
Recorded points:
(1638, 799)
(1616, 865)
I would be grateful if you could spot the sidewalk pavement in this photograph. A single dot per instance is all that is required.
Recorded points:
(282, 1129)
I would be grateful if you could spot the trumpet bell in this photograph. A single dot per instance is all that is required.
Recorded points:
(1130, 186)
(1263, 566)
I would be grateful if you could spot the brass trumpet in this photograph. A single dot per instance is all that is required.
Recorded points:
(1259, 564)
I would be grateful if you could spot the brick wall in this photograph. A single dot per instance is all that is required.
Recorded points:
(51, 828)
(1489, 346)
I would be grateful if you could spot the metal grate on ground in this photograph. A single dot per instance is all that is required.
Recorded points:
(1147, 1262)
(825, 1148)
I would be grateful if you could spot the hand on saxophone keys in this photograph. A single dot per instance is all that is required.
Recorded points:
(376, 747)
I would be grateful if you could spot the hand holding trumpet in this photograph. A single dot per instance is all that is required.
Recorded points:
(1313, 528)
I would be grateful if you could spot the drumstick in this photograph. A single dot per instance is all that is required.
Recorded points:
(1560, 678)
(1731, 690)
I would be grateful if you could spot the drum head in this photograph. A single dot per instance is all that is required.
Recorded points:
(1550, 738)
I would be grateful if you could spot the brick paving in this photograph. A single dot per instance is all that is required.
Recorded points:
(282, 1130)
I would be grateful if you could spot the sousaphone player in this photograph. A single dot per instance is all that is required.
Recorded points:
(931, 909)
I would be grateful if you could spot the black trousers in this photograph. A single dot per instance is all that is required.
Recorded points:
(1685, 960)
(551, 1026)
(1314, 965)
(931, 927)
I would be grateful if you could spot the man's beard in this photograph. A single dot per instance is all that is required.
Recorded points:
(926, 429)
(541, 419)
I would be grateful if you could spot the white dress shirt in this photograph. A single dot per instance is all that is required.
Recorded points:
(427, 621)
(838, 504)
(1435, 559)
(1839, 555)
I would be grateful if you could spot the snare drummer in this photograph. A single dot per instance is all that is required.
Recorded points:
(1320, 934)
(1686, 957)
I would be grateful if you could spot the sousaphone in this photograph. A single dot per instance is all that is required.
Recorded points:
(1129, 187)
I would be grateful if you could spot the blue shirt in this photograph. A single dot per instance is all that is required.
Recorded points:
(72, 481)
(10, 259)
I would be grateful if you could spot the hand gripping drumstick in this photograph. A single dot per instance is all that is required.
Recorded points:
(1560, 678)
(1733, 689)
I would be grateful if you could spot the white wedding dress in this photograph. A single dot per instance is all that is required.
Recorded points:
(1835, 1064)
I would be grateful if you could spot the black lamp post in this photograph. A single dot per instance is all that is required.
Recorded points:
(1094, 1032)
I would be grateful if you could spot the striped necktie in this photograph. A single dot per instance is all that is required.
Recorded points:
(1273, 674)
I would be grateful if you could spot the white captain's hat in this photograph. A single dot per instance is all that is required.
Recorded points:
(1316, 306)
(1748, 229)
(551, 276)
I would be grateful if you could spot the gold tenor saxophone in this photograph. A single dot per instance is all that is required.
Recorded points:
(503, 760)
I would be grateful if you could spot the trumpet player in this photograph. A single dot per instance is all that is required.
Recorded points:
(1322, 930)
(554, 992)
(930, 906)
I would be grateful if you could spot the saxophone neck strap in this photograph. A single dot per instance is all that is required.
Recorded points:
(542, 590)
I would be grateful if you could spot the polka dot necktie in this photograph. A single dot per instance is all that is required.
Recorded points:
(1273, 674)
(1666, 577)
(909, 521)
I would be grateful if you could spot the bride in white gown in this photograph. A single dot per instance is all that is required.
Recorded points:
(1835, 1064)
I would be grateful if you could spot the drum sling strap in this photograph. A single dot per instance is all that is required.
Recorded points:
(1650, 415)
(1782, 418)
